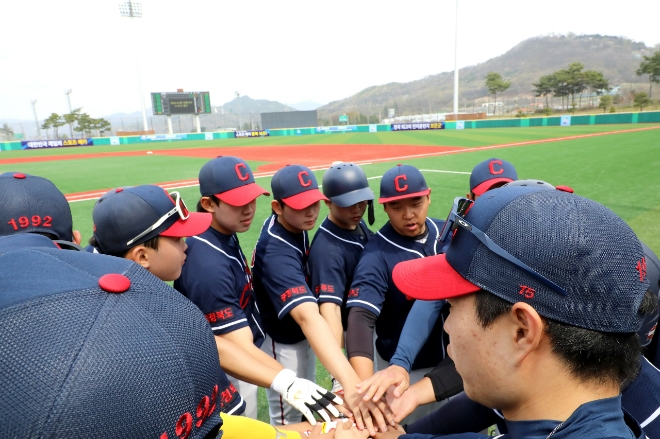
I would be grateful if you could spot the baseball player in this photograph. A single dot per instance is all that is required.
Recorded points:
(124, 355)
(490, 174)
(147, 225)
(289, 309)
(32, 204)
(542, 321)
(443, 381)
(217, 278)
(336, 247)
(373, 299)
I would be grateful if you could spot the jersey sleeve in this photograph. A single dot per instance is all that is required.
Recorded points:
(240, 427)
(327, 274)
(416, 331)
(284, 279)
(459, 415)
(369, 282)
(211, 286)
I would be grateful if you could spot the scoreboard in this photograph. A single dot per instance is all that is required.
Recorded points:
(181, 103)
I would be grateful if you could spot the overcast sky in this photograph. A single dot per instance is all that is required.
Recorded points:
(289, 51)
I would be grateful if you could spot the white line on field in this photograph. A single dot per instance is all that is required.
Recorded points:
(445, 172)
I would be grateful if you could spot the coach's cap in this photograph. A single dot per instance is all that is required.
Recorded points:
(402, 181)
(231, 180)
(580, 245)
(296, 186)
(120, 218)
(96, 346)
(29, 203)
(346, 184)
(489, 173)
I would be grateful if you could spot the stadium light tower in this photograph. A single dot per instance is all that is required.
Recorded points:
(36, 119)
(67, 92)
(456, 62)
(133, 10)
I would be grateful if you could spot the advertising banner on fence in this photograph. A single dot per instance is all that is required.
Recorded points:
(256, 133)
(114, 140)
(37, 144)
(337, 129)
(418, 126)
(164, 137)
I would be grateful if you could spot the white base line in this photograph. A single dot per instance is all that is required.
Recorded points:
(193, 183)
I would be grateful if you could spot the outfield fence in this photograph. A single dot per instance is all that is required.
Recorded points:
(565, 120)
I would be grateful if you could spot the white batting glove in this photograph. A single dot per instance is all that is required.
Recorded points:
(305, 396)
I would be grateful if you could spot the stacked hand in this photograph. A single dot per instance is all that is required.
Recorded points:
(306, 396)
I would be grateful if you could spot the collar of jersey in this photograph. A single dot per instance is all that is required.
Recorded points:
(296, 240)
(334, 228)
(387, 231)
(583, 423)
(225, 239)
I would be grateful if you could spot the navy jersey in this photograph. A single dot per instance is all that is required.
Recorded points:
(333, 257)
(598, 419)
(374, 290)
(279, 266)
(216, 277)
(460, 414)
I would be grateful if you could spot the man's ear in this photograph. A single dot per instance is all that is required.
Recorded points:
(469, 196)
(139, 255)
(529, 327)
(207, 204)
(277, 208)
(327, 203)
(77, 237)
(429, 197)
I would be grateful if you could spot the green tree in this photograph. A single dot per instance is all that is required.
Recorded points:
(53, 121)
(7, 131)
(85, 124)
(605, 102)
(596, 83)
(545, 86)
(650, 66)
(642, 100)
(496, 84)
(71, 118)
(100, 125)
(576, 81)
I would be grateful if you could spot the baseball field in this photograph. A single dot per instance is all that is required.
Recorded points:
(616, 165)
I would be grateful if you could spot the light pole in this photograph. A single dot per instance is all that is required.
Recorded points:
(456, 63)
(68, 98)
(36, 119)
(238, 100)
(132, 10)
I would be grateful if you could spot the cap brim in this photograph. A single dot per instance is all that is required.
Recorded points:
(195, 224)
(304, 199)
(350, 198)
(486, 185)
(242, 195)
(431, 278)
(383, 200)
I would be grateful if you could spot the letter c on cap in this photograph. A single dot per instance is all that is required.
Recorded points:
(304, 183)
(237, 168)
(398, 186)
(494, 171)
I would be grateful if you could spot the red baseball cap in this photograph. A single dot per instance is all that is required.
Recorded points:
(296, 186)
(231, 180)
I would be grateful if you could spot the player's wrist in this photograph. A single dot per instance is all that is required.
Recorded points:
(283, 380)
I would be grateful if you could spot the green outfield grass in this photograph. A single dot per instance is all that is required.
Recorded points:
(619, 171)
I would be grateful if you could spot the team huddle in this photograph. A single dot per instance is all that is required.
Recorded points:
(529, 308)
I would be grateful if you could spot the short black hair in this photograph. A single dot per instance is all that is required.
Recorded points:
(150, 243)
(213, 198)
(589, 355)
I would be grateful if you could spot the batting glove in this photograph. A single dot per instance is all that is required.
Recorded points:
(305, 396)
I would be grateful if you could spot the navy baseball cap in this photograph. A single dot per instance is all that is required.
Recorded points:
(231, 180)
(490, 172)
(296, 186)
(580, 245)
(96, 346)
(129, 213)
(29, 203)
(402, 181)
